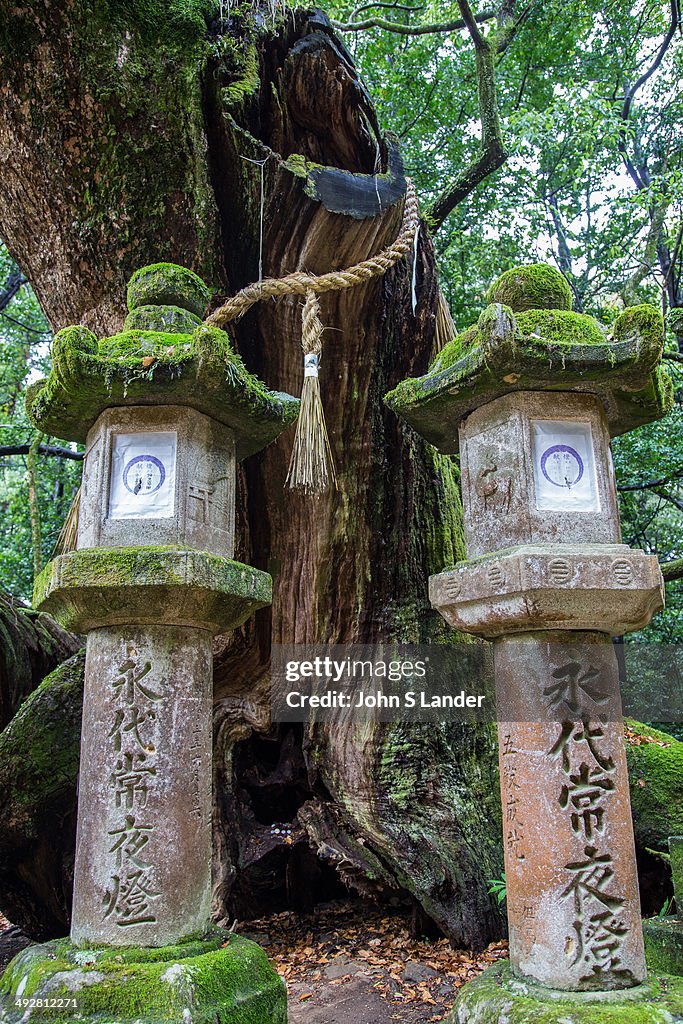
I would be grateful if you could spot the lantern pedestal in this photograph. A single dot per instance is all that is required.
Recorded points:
(214, 978)
(166, 410)
(497, 996)
(530, 397)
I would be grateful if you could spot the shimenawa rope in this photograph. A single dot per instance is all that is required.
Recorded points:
(311, 467)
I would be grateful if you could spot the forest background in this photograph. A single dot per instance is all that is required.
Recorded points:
(590, 103)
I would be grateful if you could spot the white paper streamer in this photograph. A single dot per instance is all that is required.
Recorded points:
(310, 365)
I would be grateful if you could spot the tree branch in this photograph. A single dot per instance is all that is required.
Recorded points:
(651, 484)
(44, 449)
(492, 153)
(646, 262)
(410, 30)
(672, 499)
(15, 281)
(672, 570)
(629, 95)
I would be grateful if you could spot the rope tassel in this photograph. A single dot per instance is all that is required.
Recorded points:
(311, 468)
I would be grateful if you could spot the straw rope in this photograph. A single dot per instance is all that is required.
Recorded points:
(311, 468)
(299, 282)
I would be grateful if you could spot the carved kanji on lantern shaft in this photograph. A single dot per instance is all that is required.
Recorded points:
(530, 398)
(164, 415)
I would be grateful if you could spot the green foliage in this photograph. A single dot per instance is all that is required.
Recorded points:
(498, 888)
(24, 353)
(580, 190)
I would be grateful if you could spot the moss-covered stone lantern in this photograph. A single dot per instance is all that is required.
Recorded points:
(165, 410)
(529, 397)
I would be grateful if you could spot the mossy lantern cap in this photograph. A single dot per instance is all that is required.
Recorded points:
(528, 339)
(164, 356)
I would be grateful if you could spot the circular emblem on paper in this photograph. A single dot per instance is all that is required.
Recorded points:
(144, 474)
(562, 465)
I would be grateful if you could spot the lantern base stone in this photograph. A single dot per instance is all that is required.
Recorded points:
(664, 944)
(216, 978)
(497, 996)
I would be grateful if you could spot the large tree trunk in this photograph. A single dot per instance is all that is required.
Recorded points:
(126, 135)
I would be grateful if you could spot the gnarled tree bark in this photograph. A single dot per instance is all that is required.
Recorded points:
(128, 137)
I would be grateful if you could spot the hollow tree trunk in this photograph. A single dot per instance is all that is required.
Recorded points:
(126, 136)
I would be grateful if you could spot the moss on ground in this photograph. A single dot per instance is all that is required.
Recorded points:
(664, 944)
(656, 777)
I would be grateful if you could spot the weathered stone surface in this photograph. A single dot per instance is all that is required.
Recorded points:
(167, 319)
(198, 370)
(143, 845)
(168, 284)
(515, 454)
(608, 588)
(541, 350)
(572, 886)
(180, 489)
(215, 978)
(96, 587)
(497, 996)
(535, 286)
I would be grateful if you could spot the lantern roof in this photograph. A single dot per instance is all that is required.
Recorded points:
(164, 356)
(529, 339)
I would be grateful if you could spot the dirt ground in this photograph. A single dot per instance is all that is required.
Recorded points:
(348, 963)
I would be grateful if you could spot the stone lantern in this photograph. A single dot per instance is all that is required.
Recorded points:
(530, 397)
(165, 409)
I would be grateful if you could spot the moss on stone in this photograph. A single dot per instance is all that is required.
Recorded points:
(540, 350)
(39, 750)
(456, 348)
(663, 938)
(643, 324)
(674, 321)
(676, 863)
(562, 328)
(200, 370)
(217, 979)
(169, 319)
(100, 586)
(134, 345)
(496, 997)
(536, 286)
(656, 778)
(167, 284)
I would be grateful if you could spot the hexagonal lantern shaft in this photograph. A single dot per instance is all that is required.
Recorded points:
(165, 409)
(530, 397)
